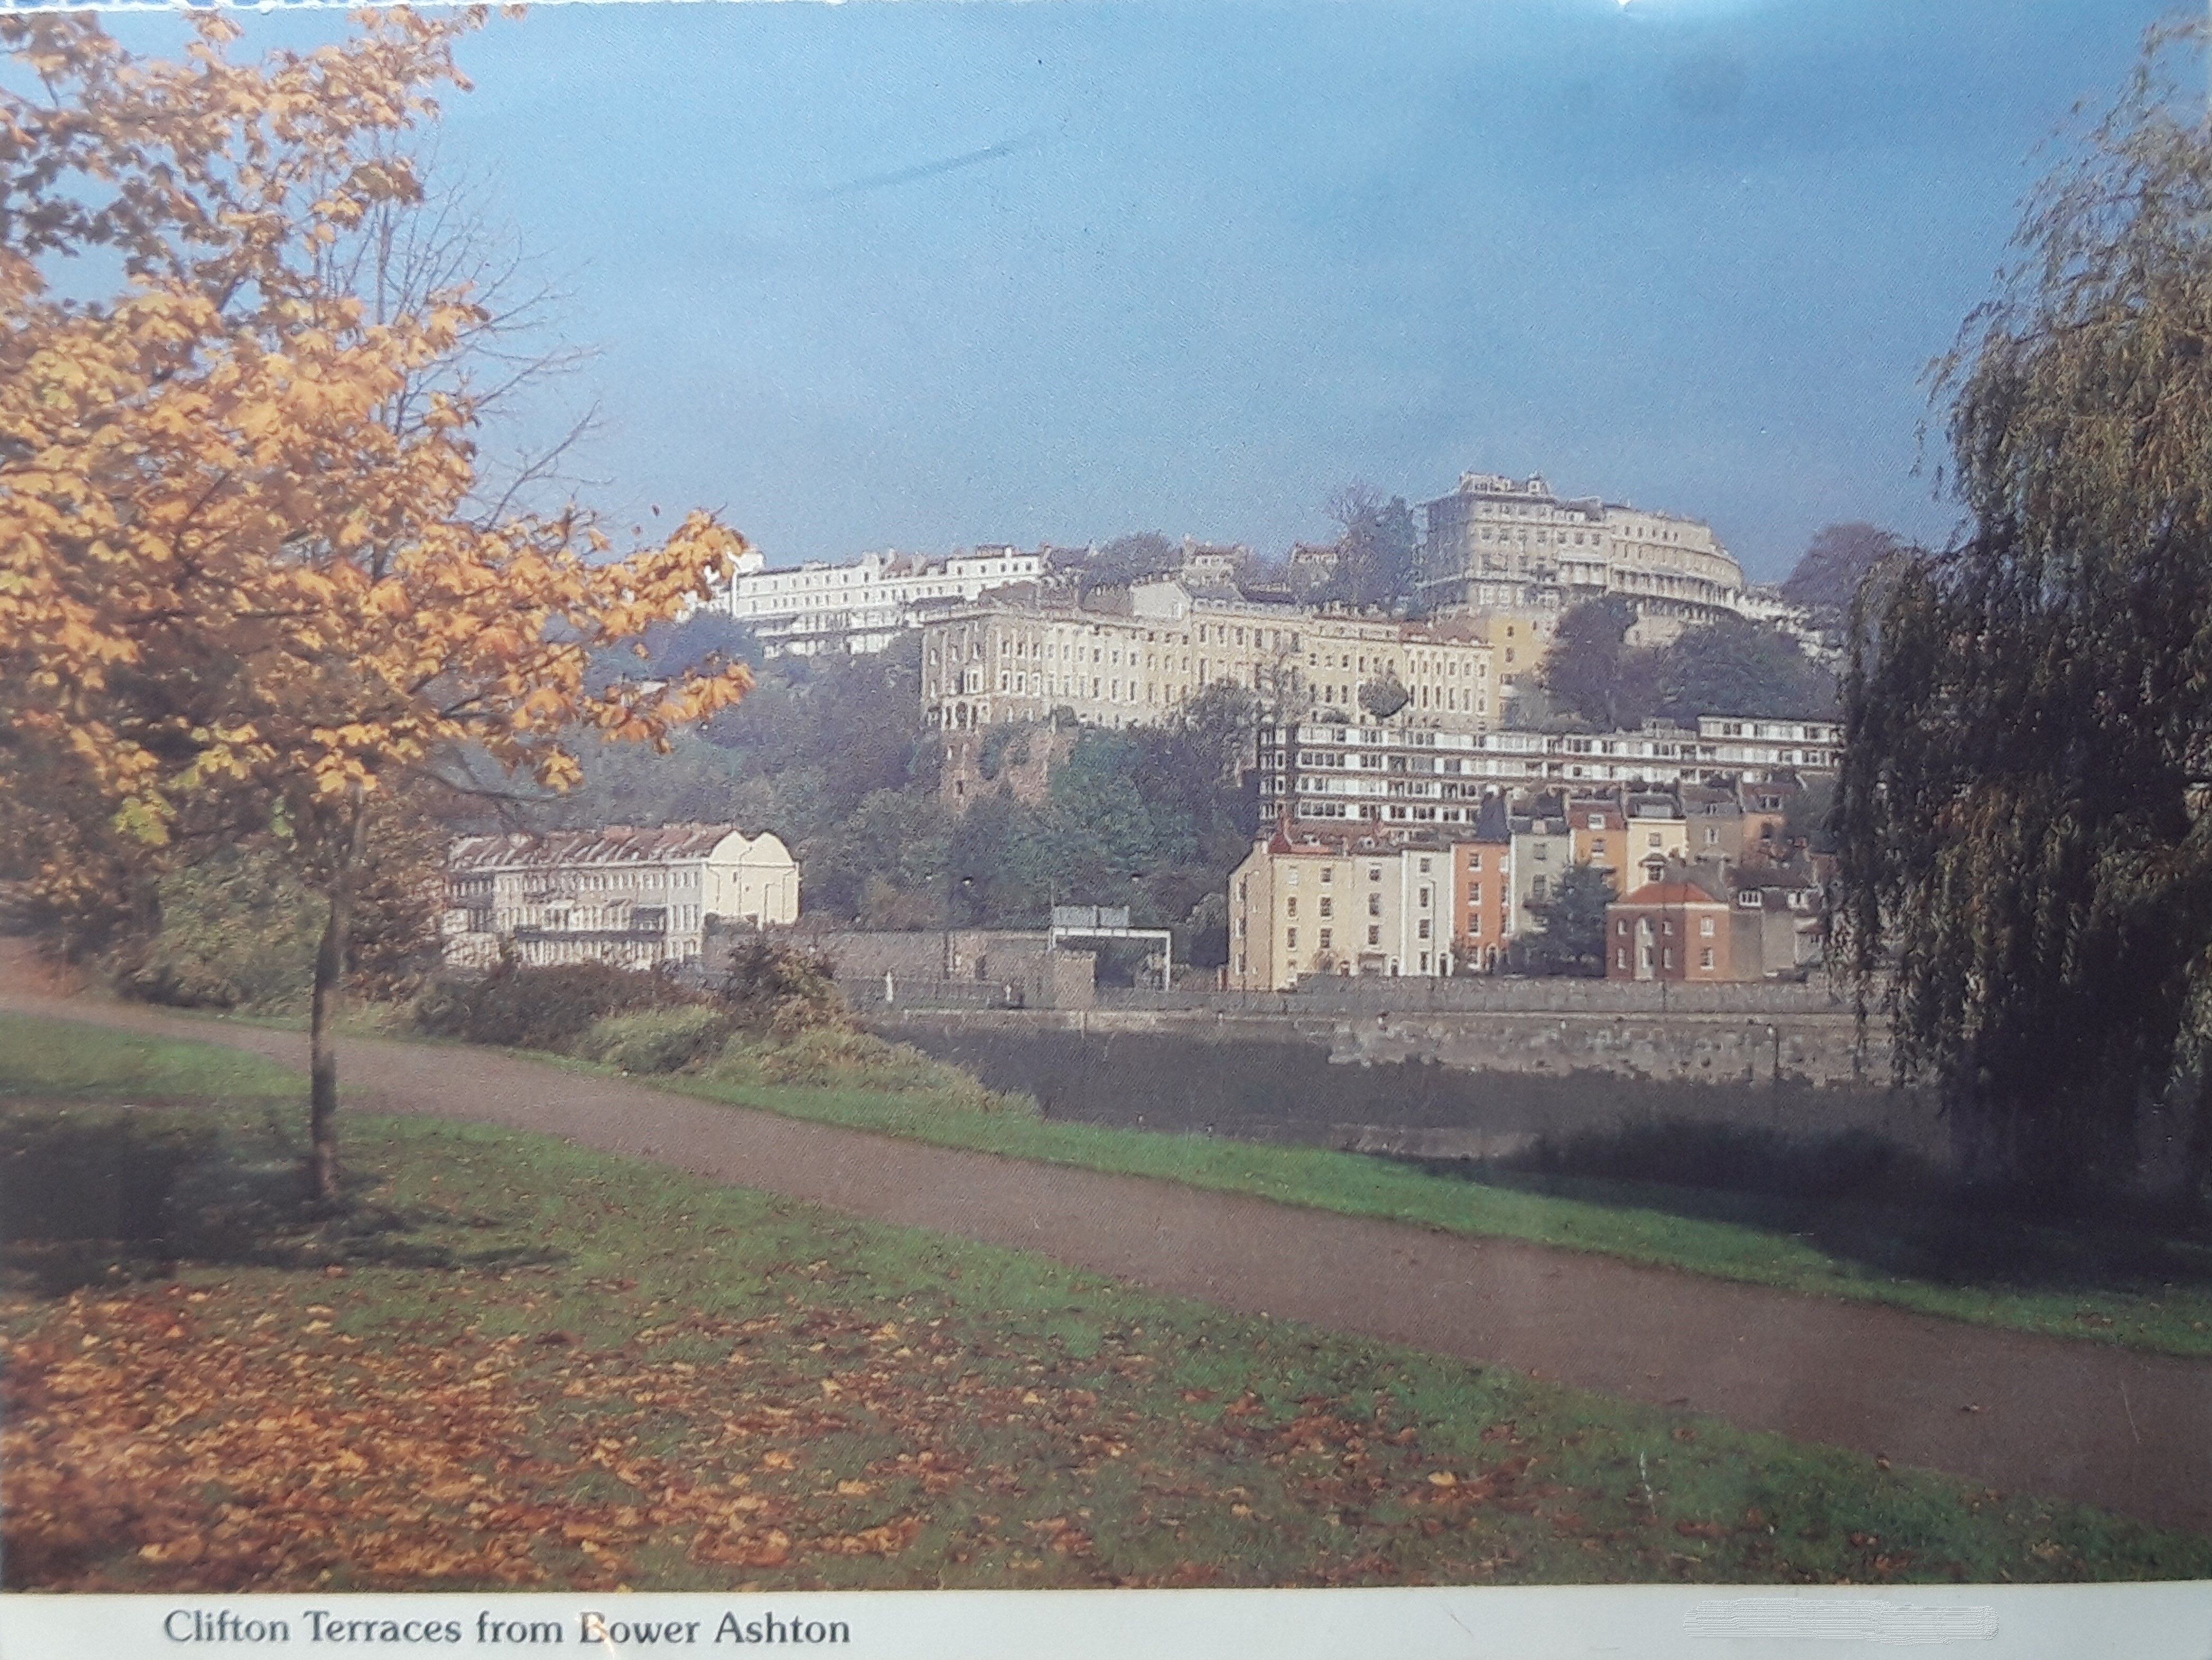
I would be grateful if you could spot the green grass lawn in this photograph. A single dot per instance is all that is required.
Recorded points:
(512, 1362)
(55, 1058)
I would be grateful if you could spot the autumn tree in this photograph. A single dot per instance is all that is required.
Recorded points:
(2020, 817)
(245, 577)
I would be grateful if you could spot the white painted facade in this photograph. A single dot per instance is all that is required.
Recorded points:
(1497, 544)
(1306, 904)
(1019, 657)
(1353, 777)
(632, 897)
(865, 606)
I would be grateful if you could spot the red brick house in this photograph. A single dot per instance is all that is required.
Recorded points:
(1671, 929)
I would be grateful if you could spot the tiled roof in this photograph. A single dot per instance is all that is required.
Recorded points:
(615, 844)
(1669, 893)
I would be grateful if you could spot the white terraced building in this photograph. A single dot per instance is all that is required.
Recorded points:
(865, 606)
(1412, 780)
(634, 898)
(1022, 656)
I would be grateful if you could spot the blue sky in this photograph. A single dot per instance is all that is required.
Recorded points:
(918, 274)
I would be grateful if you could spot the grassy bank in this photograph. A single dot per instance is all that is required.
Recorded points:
(515, 1363)
(56, 1058)
(2124, 1288)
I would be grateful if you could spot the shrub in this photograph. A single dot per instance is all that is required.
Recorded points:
(237, 930)
(539, 1008)
(655, 1040)
(779, 990)
(841, 1058)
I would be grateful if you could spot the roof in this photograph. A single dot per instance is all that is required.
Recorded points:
(1671, 893)
(1492, 825)
(615, 844)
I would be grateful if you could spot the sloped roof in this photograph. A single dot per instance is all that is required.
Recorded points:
(614, 844)
(1671, 893)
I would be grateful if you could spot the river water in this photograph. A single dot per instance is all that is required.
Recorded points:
(1289, 1089)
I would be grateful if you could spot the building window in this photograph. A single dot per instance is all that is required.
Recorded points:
(1375, 904)
(1537, 889)
(1667, 957)
(1424, 870)
(1328, 933)
(1597, 848)
(1374, 936)
(1375, 872)
(1474, 897)
(1619, 959)
(1705, 926)
(1424, 931)
(1327, 908)
(1425, 898)
(1291, 906)
(1705, 957)
(1290, 939)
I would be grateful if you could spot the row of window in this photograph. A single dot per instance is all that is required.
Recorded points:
(1666, 957)
(1327, 940)
(1667, 925)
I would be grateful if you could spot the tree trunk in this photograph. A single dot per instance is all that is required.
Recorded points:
(322, 1052)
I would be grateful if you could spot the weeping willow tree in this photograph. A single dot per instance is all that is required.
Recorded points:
(2025, 854)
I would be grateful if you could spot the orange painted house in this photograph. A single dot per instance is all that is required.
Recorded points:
(1482, 884)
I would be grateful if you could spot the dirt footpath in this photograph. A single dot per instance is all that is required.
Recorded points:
(2081, 1421)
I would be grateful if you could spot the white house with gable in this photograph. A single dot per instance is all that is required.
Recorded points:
(632, 897)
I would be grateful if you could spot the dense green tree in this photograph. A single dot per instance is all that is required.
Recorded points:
(1384, 696)
(898, 840)
(1570, 934)
(1198, 762)
(1124, 559)
(1590, 668)
(1736, 666)
(2026, 855)
(1837, 559)
(1378, 548)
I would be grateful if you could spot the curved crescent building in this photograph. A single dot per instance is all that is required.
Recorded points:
(1499, 545)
